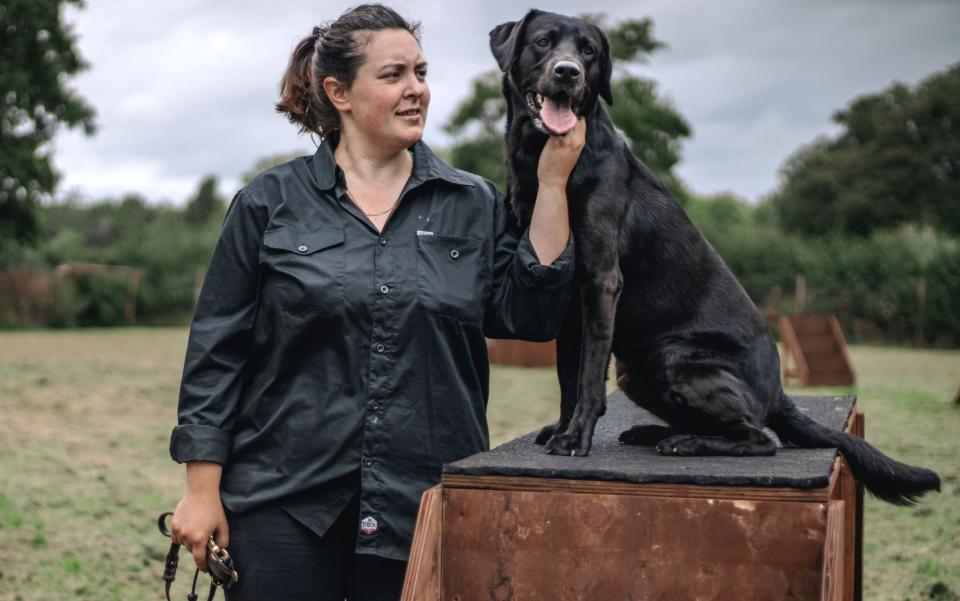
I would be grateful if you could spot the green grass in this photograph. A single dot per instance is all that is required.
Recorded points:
(84, 468)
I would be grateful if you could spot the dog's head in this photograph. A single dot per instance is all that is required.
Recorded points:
(558, 65)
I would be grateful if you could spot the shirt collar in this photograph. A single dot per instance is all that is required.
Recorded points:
(426, 165)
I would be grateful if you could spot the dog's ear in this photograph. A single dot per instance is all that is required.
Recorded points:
(506, 40)
(606, 69)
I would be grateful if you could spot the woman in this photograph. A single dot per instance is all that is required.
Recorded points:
(337, 358)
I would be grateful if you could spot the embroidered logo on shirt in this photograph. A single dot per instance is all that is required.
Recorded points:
(368, 525)
(424, 233)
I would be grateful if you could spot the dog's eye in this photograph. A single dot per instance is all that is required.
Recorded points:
(543, 42)
(589, 50)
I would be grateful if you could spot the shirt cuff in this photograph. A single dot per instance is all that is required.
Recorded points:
(534, 275)
(194, 442)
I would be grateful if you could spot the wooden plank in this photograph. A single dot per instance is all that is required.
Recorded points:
(818, 343)
(858, 430)
(422, 581)
(847, 494)
(522, 353)
(692, 491)
(842, 342)
(791, 344)
(837, 378)
(513, 545)
(810, 323)
(832, 569)
(828, 361)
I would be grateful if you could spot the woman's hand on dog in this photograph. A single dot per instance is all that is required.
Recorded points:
(560, 155)
(199, 514)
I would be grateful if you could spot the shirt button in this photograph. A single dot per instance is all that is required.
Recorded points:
(302, 248)
(455, 254)
(380, 348)
(368, 462)
(384, 289)
(374, 405)
(383, 241)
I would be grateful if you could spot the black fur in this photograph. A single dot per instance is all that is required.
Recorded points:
(689, 343)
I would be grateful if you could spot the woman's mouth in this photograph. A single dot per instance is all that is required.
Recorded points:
(410, 114)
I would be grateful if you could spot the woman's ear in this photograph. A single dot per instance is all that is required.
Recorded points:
(336, 93)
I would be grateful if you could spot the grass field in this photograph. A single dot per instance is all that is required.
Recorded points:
(84, 469)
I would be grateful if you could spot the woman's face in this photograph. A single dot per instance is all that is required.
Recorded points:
(389, 96)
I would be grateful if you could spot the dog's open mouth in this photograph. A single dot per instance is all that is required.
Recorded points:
(556, 115)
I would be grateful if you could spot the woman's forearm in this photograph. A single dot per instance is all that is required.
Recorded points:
(203, 477)
(550, 224)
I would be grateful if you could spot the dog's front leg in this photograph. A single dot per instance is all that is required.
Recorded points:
(598, 299)
(568, 367)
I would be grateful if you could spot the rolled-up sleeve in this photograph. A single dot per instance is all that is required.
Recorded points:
(220, 338)
(528, 300)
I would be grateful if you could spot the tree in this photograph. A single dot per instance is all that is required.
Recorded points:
(206, 203)
(897, 161)
(267, 162)
(651, 125)
(37, 57)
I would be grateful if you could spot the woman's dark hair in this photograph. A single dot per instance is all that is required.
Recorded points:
(332, 50)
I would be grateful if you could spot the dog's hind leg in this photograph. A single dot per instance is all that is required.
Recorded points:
(743, 441)
(716, 412)
(646, 435)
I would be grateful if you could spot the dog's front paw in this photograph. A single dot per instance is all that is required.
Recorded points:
(572, 443)
(683, 445)
(563, 444)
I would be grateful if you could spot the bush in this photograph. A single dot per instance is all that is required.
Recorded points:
(898, 285)
(90, 300)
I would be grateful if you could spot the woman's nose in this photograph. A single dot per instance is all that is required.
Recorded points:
(417, 86)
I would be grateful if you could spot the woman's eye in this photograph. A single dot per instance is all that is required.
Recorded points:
(422, 74)
(543, 42)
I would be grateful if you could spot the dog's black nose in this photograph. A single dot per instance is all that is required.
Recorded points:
(566, 69)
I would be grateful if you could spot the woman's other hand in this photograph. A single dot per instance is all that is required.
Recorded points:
(199, 514)
(560, 155)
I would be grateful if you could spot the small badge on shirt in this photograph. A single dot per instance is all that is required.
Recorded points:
(424, 233)
(368, 525)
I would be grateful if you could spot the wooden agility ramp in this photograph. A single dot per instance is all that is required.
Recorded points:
(816, 350)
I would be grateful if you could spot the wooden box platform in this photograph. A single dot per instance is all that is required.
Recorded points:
(628, 523)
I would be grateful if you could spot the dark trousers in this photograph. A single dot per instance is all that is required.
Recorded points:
(280, 559)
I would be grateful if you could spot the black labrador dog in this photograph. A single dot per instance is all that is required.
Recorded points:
(690, 345)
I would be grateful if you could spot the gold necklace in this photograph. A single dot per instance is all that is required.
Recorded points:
(390, 208)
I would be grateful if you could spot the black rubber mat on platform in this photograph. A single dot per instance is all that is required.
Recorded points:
(610, 460)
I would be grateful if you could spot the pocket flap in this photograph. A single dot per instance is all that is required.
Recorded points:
(303, 243)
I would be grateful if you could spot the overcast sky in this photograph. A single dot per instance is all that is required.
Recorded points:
(184, 88)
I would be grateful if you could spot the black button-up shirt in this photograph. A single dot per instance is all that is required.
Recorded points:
(324, 353)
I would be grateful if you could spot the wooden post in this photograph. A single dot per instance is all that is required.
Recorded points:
(918, 336)
(772, 302)
(800, 294)
(133, 284)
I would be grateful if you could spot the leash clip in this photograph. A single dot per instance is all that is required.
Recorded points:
(219, 564)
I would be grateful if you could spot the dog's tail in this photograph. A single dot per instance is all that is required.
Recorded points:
(890, 480)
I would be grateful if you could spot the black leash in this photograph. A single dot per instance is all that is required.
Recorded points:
(219, 565)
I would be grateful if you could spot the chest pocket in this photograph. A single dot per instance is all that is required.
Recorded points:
(452, 276)
(304, 269)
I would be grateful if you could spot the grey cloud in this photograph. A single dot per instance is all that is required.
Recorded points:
(185, 88)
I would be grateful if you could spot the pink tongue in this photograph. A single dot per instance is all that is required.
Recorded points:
(559, 119)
